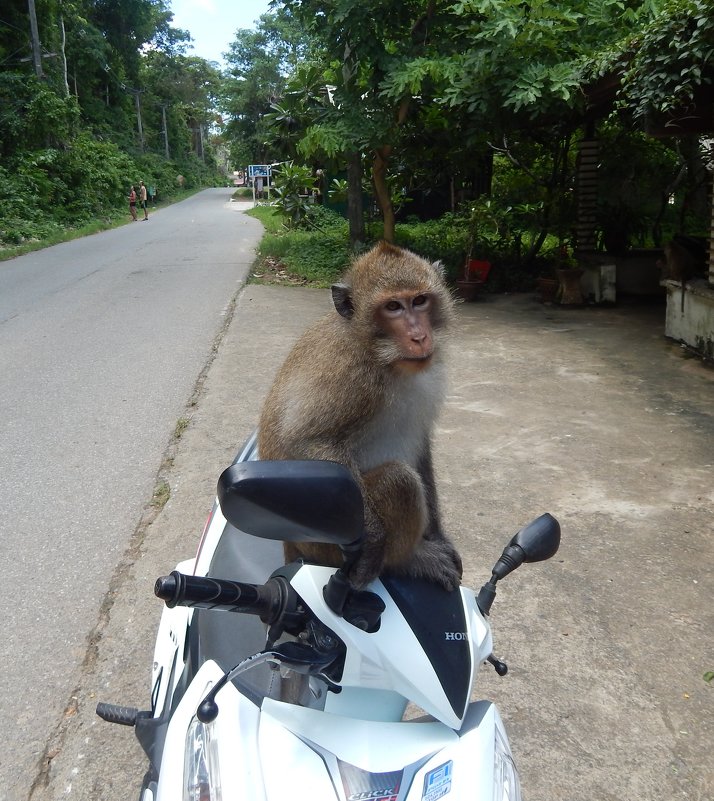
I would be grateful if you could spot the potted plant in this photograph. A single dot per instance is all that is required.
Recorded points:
(475, 271)
(473, 278)
(569, 273)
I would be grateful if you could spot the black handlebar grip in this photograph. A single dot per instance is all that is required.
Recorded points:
(210, 593)
(112, 713)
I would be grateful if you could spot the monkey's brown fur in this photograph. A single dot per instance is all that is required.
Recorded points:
(349, 392)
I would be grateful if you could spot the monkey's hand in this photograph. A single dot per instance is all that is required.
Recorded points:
(438, 561)
(365, 568)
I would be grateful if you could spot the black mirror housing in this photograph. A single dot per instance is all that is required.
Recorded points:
(540, 539)
(535, 542)
(293, 501)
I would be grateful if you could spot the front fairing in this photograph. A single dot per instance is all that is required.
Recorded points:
(427, 649)
(324, 756)
(427, 658)
(274, 751)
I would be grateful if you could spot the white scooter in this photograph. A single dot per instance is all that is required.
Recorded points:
(314, 707)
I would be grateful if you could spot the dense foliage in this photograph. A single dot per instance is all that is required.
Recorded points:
(390, 111)
(439, 104)
(102, 97)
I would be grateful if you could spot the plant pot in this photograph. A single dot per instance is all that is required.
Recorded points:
(475, 274)
(571, 293)
(468, 289)
(548, 289)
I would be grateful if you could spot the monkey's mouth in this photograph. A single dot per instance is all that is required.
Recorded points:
(414, 363)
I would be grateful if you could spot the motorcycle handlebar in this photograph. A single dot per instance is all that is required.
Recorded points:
(199, 592)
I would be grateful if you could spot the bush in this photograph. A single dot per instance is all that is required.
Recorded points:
(91, 178)
(47, 191)
(319, 251)
(321, 217)
(319, 255)
(293, 187)
(445, 239)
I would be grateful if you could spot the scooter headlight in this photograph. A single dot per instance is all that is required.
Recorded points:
(201, 775)
(506, 785)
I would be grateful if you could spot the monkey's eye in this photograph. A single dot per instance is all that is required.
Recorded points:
(393, 306)
(420, 300)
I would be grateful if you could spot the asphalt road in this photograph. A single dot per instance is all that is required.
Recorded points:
(102, 341)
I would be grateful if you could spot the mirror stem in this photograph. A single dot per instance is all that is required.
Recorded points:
(487, 595)
(512, 557)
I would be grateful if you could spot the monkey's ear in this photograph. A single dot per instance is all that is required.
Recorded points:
(342, 298)
(439, 268)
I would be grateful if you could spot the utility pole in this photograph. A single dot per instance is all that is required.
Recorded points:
(137, 93)
(165, 131)
(36, 49)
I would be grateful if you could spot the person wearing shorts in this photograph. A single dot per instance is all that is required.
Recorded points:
(142, 199)
(132, 203)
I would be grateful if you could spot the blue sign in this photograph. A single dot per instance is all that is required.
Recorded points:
(258, 170)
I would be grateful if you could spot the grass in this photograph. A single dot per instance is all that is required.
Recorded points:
(309, 257)
(270, 217)
(161, 495)
(114, 219)
(181, 425)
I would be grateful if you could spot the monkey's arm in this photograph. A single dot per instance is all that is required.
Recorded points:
(436, 557)
(425, 468)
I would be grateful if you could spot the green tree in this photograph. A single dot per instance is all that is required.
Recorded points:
(258, 65)
(665, 62)
(182, 92)
(365, 43)
(69, 138)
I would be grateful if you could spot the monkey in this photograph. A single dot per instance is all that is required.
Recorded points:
(363, 386)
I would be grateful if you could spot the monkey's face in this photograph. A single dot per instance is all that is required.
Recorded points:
(403, 320)
(394, 302)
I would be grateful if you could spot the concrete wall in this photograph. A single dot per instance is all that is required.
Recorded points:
(690, 318)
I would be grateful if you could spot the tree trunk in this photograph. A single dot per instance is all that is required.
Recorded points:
(355, 215)
(381, 190)
(140, 127)
(379, 175)
(63, 42)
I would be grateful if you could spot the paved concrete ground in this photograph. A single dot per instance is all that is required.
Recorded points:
(589, 414)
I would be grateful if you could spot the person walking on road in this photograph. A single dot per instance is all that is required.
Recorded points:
(142, 200)
(132, 204)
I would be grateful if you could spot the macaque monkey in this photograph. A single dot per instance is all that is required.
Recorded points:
(363, 387)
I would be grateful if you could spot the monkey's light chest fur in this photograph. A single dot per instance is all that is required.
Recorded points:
(400, 427)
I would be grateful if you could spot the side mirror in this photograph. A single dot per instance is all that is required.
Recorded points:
(537, 541)
(293, 501)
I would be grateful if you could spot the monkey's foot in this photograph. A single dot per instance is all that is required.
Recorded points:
(437, 561)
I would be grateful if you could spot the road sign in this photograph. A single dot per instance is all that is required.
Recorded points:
(258, 170)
